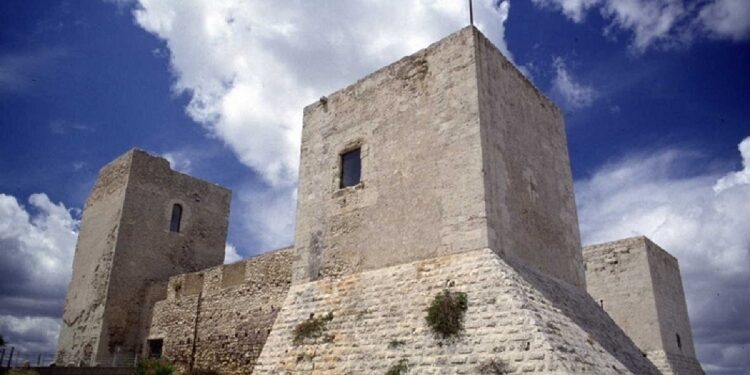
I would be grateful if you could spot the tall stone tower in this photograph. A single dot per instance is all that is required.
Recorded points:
(142, 223)
(639, 285)
(446, 151)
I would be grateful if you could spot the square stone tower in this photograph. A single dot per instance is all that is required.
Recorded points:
(142, 223)
(639, 285)
(446, 151)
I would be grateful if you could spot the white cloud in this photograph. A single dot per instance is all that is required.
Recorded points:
(37, 246)
(727, 19)
(737, 178)
(704, 227)
(251, 66)
(662, 23)
(230, 254)
(179, 161)
(573, 94)
(267, 215)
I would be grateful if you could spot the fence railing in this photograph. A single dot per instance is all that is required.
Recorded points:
(12, 357)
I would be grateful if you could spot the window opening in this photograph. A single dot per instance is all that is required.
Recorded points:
(351, 168)
(155, 347)
(174, 225)
(679, 342)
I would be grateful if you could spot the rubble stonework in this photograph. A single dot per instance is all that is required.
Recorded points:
(227, 321)
(465, 186)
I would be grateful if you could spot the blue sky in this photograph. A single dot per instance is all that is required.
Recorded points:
(655, 95)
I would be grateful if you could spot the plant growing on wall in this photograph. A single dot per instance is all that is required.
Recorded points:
(446, 313)
(154, 367)
(399, 368)
(493, 367)
(311, 328)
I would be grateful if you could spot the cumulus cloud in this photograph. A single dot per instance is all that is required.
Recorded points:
(727, 19)
(662, 23)
(571, 93)
(179, 161)
(37, 245)
(230, 254)
(251, 66)
(702, 219)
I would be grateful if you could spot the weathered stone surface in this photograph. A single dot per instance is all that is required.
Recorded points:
(125, 245)
(227, 328)
(530, 322)
(466, 186)
(639, 285)
(459, 152)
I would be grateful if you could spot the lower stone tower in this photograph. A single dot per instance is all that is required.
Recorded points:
(142, 223)
(639, 285)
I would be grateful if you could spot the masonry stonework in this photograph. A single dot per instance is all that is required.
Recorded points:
(639, 285)
(219, 318)
(125, 245)
(459, 152)
(465, 185)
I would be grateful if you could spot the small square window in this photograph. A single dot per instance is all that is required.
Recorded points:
(351, 168)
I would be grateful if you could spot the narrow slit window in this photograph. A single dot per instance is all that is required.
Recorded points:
(174, 225)
(679, 342)
(351, 168)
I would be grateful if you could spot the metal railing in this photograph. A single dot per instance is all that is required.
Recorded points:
(12, 357)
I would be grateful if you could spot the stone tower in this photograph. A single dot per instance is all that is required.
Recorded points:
(639, 285)
(446, 171)
(455, 150)
(142, 223)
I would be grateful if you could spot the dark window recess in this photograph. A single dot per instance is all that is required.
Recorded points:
(174, 225)
(351, 168)
(154, 348)
(679, 342)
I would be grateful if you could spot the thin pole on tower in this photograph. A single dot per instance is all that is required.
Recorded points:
(471, 13)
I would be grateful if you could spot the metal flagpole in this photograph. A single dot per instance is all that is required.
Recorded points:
(471, 13)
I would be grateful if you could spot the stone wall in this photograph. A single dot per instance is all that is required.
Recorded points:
(459, 152)
(125, 245)
(531, 212)
(525, 321)
(220, 317)
(85, 301)
(640, 287)
(421, 189)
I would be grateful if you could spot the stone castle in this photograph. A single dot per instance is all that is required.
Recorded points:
(446, 170)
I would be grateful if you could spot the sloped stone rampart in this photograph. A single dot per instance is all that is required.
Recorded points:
(526, 322)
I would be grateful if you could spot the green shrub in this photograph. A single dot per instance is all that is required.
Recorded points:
(399, 368)
(446, 313)
(310, 328)
(154, 367)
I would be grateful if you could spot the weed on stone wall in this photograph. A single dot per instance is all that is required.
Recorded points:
(396, 344)
(446, 313)
(311, 328)
(401, 367)
(154, 367)
(493, 367)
